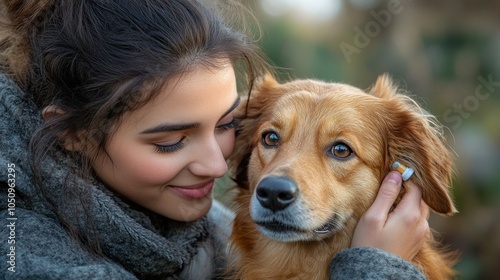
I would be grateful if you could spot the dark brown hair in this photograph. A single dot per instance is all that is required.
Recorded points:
(96, 60)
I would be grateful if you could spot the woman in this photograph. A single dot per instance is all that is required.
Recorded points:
(118, 121)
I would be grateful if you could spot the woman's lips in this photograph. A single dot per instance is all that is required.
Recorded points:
(194, 191)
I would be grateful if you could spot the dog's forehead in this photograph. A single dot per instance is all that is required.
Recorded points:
(320, 87)
(315, 96)
(316, 90)
(327, 107)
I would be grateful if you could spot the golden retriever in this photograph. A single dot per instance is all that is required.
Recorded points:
(309, 159)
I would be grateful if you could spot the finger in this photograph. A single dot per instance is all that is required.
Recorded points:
(387, 194)
(412, 198)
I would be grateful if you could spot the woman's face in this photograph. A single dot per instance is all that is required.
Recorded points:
(166, 155)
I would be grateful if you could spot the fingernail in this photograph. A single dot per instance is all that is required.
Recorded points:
(393, 177)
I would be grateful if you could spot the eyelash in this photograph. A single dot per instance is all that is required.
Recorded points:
(230, 125)
(170, 148)
(174, 147)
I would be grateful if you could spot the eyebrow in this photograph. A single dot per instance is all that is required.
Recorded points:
(166, 127)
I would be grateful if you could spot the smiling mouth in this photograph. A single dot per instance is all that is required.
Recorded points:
(195, 191)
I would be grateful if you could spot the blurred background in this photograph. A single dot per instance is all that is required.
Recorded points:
(446, 53)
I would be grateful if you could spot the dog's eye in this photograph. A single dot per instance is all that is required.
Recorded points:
(270, 139)
(341, 150)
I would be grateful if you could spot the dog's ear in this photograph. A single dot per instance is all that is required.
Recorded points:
(415, 139)
(251, 110)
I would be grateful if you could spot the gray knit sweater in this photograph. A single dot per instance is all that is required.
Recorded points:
(135, 243)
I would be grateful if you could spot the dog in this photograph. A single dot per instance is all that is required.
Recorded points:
(308, 161)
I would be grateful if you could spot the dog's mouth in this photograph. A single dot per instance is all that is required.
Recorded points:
(332, 225)
(279, 227)
(282, 231)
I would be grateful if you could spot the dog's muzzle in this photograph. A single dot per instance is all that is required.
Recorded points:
(276, 192)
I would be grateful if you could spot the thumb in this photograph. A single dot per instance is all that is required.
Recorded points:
(387, 194)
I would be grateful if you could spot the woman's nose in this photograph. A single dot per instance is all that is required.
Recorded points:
(209, 161)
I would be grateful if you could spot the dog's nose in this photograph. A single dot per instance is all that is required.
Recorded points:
(276, 193)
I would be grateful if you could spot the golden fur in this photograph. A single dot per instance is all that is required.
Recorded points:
(303, 120)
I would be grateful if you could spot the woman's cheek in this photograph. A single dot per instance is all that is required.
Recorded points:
(154, 169)
(227, 144)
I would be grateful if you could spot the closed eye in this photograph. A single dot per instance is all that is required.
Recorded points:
(170, 148)
(227, 126)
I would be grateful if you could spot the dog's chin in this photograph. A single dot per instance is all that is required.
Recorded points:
(282, 232)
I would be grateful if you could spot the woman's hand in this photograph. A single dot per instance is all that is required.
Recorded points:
(402, 231)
